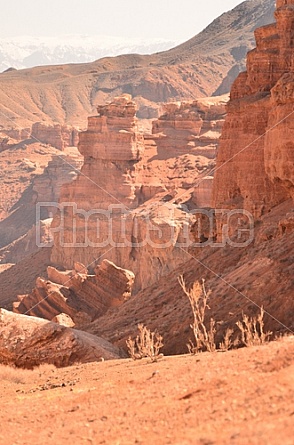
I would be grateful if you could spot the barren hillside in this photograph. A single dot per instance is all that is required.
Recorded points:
(206, 64)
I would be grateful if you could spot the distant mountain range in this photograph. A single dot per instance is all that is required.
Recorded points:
(205, 65)
(27, 52)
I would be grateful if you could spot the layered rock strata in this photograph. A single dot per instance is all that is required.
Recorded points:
(255, 159)
(29, 341)
(58, 136)
(77, 294)
(105, 213)
(191, 126)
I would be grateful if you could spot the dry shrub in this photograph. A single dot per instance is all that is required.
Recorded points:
(251, 328)
(146, 344)
(198, 297)
(228, 342)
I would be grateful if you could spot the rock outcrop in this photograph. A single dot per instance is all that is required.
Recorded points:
(58, 136)
(202, 195)
(77, 294)
(191, 126)
(29, 341)
(255, 160)
(112, 147)
(43, 192)
(61, 170)
(112, 214)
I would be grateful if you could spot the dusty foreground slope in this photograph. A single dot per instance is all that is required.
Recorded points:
(241, 397)
(208, 62)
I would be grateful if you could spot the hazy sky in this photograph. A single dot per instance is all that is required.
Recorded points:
(168, 19)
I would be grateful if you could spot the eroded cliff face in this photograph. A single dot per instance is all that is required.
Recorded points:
(109, 211)
(255, 159)
(59, 136)
(191, 126)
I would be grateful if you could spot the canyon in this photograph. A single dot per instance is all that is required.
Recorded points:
(121, 180)
(252, 177)
(155, 205)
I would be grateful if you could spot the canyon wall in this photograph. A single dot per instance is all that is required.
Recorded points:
(255, 159)
(56, 135)
(59, 136)
(113, 214)
(190, 126)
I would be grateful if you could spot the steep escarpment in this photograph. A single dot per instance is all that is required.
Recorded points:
(255, 161)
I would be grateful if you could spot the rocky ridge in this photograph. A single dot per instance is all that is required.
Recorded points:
(78, 295)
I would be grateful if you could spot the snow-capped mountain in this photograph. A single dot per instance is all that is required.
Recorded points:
(26, 52)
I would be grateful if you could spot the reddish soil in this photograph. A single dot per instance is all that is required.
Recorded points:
(244, 396)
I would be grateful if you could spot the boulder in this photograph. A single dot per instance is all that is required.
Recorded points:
(29, 341)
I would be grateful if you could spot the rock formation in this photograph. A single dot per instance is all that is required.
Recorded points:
(254, 172)
(109, 216)
(45, 188)
(202, 195)
(255, 160)
(59, 136)
(29, 341)
(191, 126)
(63, 169)
(26, 244)
(76, 294)
(113, 147)
(56, 135)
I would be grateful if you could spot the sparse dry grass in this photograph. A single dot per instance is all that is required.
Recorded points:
(252, 328)
(23, 376)
(146, 344)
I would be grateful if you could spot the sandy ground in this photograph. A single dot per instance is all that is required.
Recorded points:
(238, 397)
